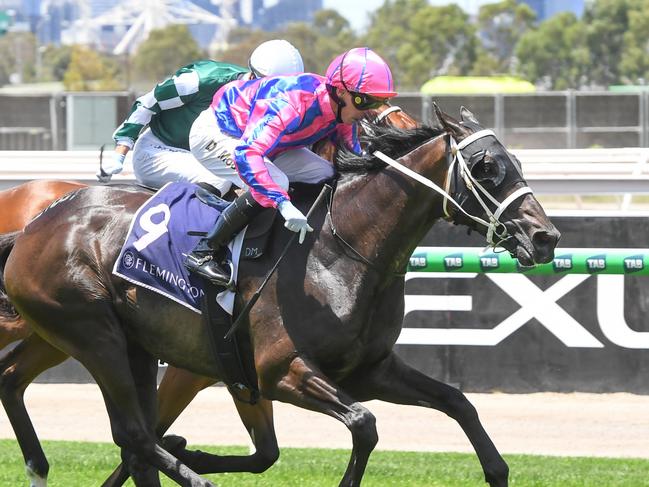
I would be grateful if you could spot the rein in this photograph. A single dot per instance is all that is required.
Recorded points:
(379, 118)
(340, 239)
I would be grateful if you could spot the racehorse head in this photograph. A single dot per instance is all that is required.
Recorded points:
(480, 183)
(487, 183)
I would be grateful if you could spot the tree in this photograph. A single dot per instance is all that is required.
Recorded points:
(319, 43)
(500, 26)
(55, 61)
(555, 52)
(607, 22)
(164, 51)
(634, 63)
(241, 43)
(89, 71)
(17, 57)
(420, 41)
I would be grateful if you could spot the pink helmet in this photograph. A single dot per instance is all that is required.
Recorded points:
(361, 70)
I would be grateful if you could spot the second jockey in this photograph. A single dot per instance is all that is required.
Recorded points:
(161, 153)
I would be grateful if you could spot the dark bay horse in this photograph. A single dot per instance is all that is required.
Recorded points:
(323, 331)
(18, 206)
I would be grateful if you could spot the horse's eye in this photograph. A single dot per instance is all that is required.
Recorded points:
(489, 171)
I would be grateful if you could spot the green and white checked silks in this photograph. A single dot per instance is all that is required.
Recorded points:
(173, 105)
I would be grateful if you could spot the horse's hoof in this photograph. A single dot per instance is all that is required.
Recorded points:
(173, 443)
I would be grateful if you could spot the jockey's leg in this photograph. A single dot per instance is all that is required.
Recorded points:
(156, 164)
(206, 259)
(304, 166)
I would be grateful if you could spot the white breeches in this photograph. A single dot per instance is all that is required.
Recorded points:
(156, 163)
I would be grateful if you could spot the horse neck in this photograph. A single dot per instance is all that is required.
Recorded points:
(385, 215)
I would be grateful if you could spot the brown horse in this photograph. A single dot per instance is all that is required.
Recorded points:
(178, 387)
(17, 207)
(351, 294)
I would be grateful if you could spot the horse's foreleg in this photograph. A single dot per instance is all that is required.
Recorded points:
(144, 369)
(177, 389)
(17, 370)
(111, 370)
(393, 381)
(305, 386)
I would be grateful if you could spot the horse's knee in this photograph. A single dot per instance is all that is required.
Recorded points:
(362, 424)
(10, 382)
(456, 405)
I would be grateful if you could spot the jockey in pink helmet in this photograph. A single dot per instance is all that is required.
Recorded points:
(362, 74)
(260, 133)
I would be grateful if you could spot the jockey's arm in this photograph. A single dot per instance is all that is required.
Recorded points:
(173, 92)
(261, 136)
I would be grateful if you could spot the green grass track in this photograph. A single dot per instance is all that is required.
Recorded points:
(80, 464)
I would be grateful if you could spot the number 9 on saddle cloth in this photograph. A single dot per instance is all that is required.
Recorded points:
(165, 229)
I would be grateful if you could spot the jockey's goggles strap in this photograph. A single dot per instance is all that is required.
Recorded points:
(340, 103)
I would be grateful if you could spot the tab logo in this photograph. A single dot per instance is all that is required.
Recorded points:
(418, 261)
(489, 262)
(453, 262)
(562, 263)
(596, 263)
(633, 263)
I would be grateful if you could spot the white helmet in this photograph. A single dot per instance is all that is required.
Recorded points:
(275, 58)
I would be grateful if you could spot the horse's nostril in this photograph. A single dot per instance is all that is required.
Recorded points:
(545, 239)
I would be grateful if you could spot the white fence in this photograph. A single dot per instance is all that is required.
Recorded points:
(621, 171)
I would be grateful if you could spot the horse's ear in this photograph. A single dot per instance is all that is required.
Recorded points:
(450, 123)
(467, 116)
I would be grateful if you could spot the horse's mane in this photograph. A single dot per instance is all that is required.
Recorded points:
(394, 142)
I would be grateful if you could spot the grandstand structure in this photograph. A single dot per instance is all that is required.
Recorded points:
(123, 27)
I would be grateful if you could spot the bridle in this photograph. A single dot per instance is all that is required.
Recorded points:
(494, 226)
(383, 115)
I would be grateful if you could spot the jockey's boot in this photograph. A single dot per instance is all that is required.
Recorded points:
(207, 259)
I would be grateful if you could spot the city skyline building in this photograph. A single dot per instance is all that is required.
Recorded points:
(549, 8)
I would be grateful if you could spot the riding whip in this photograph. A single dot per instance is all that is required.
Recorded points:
(244, 312)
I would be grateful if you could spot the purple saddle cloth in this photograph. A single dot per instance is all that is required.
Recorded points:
(157, 242)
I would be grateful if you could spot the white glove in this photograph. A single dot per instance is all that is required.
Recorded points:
(295, 219)
(111, 165)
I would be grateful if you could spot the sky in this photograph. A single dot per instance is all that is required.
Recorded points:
(357, 12)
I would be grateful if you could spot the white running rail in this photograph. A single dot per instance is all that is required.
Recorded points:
(623, 171)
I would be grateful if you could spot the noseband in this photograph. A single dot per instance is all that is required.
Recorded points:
(494, 224)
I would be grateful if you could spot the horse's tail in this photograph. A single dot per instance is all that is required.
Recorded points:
(7, 310)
